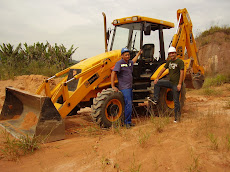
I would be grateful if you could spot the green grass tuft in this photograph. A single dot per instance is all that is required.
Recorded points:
(159, 123)
(217, 80)
(13, 148)
(143, 138)
(210, 92)
(214, 141)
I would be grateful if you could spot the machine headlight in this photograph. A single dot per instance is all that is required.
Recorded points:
(135, 18)
(116, 21)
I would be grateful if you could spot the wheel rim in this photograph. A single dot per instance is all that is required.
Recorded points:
(169, 98)
(113, 110)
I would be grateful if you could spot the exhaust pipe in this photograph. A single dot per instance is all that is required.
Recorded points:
(105, 30)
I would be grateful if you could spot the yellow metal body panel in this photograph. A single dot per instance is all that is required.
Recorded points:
(94, 76)
(134, 19)
(90, 62)
(187, 66)
(166, 72)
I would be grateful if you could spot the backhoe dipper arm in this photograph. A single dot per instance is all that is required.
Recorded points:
(184, 38)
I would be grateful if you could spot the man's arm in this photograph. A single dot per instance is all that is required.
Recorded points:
(113, 75)
(159, 75)
(180, 80)
(136, 57)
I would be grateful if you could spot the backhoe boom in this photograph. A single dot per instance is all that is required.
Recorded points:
(184, 40)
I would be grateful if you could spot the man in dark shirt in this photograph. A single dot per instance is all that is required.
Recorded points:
(123, 69)
(176, 75)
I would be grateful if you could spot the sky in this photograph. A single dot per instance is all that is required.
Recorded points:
(80, 22)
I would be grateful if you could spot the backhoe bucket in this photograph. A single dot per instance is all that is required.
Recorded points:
(194, 81)
(33, 116)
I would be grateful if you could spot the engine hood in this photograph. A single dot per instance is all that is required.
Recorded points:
(114, 55)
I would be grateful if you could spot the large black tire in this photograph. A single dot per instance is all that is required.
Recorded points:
(165, 104)
(108, 108)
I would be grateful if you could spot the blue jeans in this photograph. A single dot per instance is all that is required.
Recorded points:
(176, 95)
(128, 98)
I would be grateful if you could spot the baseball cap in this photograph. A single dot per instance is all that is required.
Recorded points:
(123, 50)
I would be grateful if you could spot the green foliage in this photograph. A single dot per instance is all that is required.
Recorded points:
(135, 167)
(159, 123)
(217, 80)
(210, 92)
(195, 165)
(13, 148)
(38, 58)
(143, 138)
(214, 29)
(203, 38)
(105, 161)
(214, 141)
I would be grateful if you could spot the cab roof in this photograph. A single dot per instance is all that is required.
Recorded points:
(139, 19)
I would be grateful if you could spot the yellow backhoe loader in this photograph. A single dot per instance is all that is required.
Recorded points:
(87, 83)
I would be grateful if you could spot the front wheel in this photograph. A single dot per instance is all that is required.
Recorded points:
(108, 108)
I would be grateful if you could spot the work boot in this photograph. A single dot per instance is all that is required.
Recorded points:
(128, 126)
(132, 124)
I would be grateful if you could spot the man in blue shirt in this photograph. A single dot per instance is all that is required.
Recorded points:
(123, 69)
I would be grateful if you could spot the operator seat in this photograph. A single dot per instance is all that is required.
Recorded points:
(148, 52)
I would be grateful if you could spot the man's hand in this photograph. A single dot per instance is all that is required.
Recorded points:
(137, 55)
(115, 89)
(140, 51)
(159, 74)
(155, 81)
(178, 87)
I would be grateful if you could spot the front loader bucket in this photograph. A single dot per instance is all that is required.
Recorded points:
(35, 116)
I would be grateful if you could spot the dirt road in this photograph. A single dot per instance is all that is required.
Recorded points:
(201, 142)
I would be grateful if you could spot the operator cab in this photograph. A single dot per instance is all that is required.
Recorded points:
(144, 33)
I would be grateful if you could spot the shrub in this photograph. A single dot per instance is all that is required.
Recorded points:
(39, 58)
(216, 80)
(214, 29)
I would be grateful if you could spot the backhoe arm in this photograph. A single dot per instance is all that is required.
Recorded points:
(184, 40)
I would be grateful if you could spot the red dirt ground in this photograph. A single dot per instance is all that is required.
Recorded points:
(201, 142)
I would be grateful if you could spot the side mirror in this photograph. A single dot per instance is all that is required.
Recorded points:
(147, 28)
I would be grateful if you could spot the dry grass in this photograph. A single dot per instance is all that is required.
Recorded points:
(214, 29)
(195, 164)
(215, 125)
(159, 123)
(217, 80)
(12, 148)
(135, 166)
(143, 138)
(227, 105)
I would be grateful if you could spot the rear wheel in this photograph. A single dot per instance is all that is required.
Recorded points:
(108, 108)
(165, 104)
